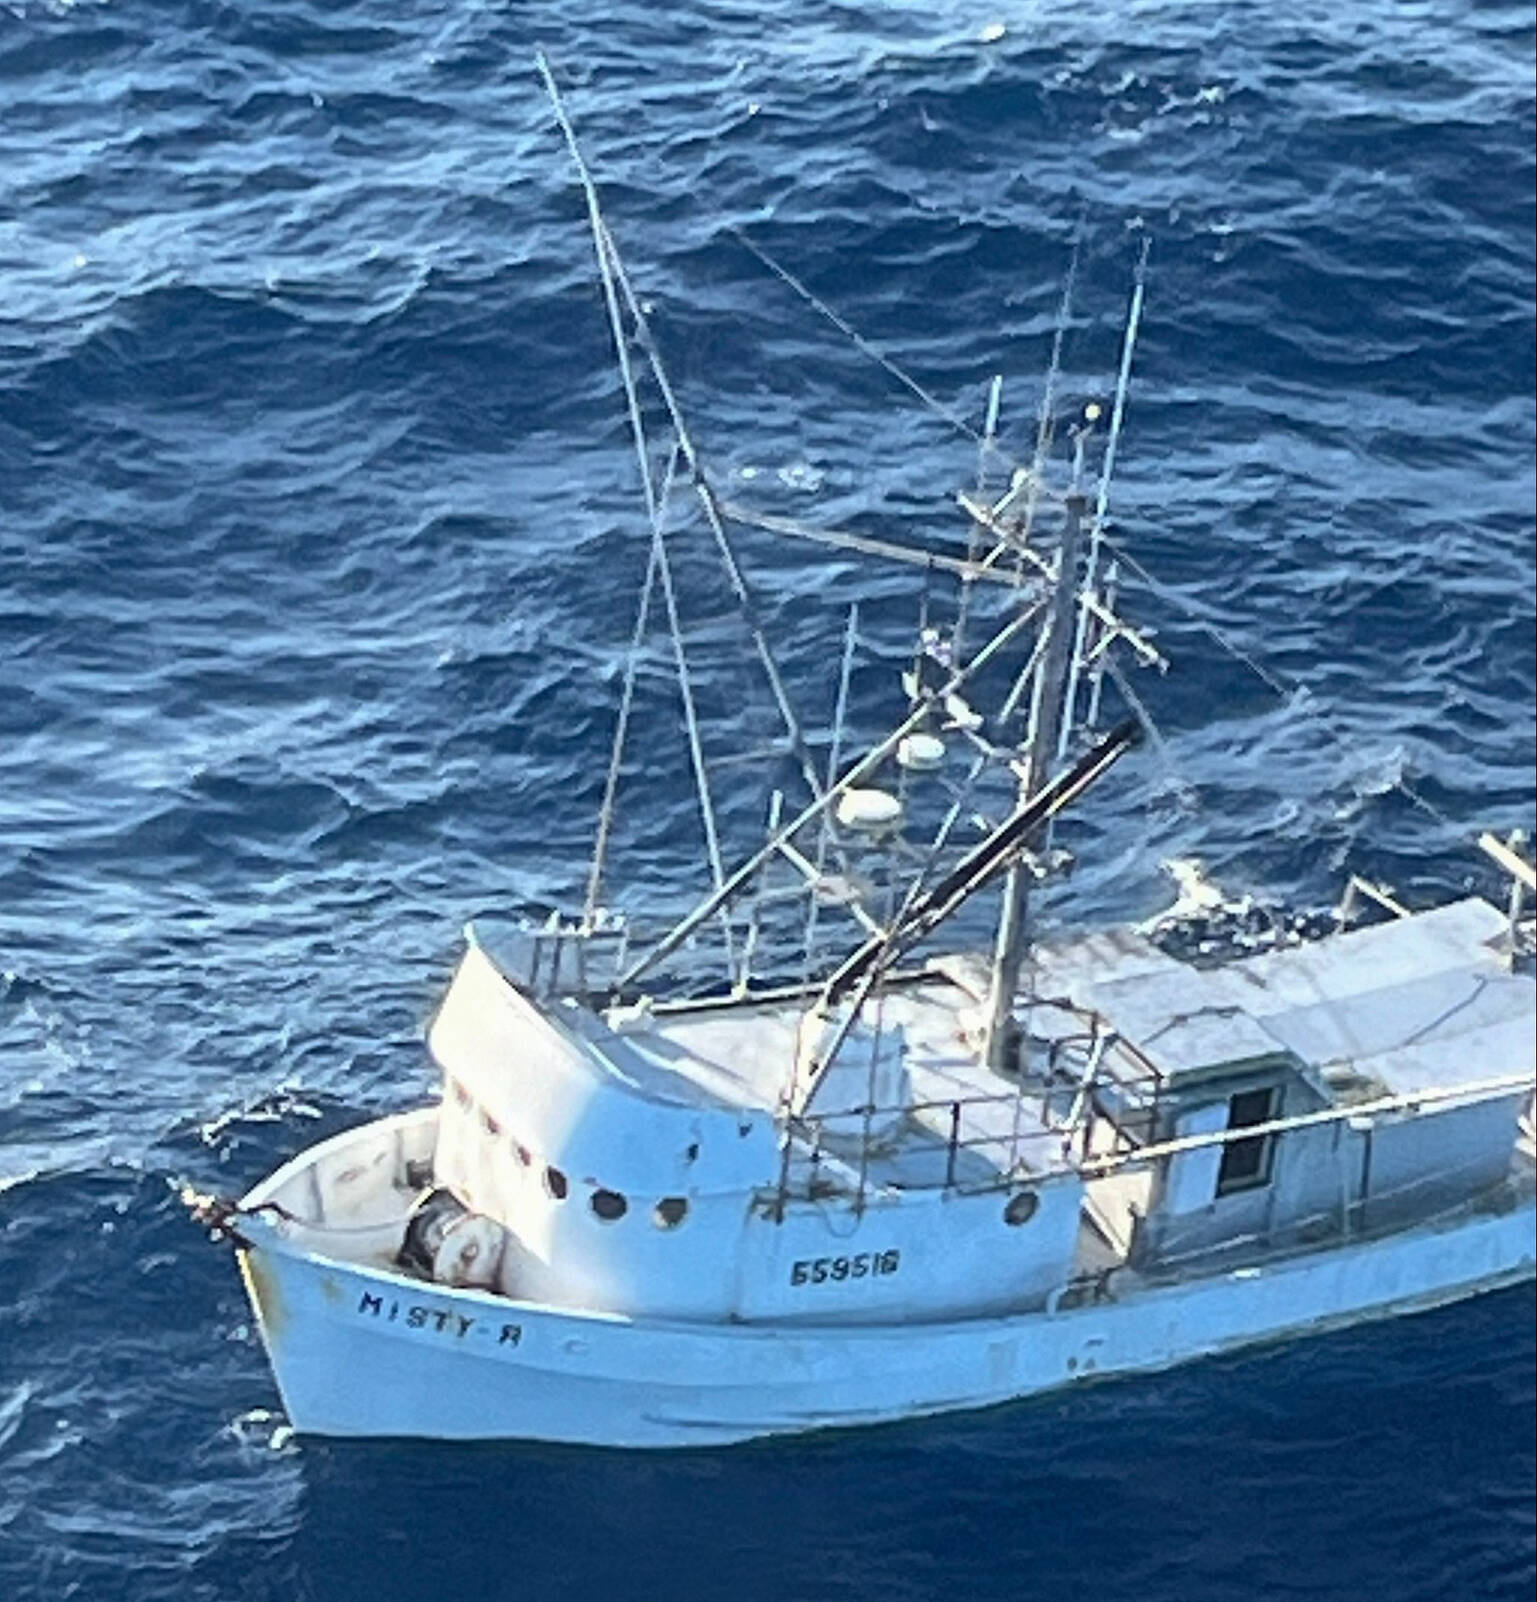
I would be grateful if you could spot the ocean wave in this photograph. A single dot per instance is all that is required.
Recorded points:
(319, 547)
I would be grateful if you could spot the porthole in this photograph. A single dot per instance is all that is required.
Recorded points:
(609, 1205)
(461, 1095)
(670, 1212)
(525, 1156)
(489, 1124)
(555, 1183)
(1021, 1207)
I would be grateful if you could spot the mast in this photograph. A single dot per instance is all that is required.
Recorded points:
(922, 911)
(1064, 640)
(1046, 733)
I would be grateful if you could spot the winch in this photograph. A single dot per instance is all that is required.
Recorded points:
(448, 1244)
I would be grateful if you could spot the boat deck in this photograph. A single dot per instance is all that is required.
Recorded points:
(1414, 1004)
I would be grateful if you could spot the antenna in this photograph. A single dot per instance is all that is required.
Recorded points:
(1045, 428)
(1107, 470)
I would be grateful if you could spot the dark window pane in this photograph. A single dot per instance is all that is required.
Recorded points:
(1250, 1107)
(1246, 1163)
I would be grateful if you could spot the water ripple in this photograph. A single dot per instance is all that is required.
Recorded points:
(318, 543)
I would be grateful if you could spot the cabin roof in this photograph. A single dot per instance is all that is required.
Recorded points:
(1412, 1004)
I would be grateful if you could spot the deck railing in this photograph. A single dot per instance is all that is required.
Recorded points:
(812, 1166)
(1095, 1094)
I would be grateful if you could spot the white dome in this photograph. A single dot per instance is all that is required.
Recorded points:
(921, 753)
(869, 811)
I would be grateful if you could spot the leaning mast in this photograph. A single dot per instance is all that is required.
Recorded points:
(1047, 709)
(1061, 658)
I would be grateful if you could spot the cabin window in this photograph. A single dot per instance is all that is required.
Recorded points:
(609, 1205)
(1246, 1164)
(1021, 1207)
(670, 1212)
(555, 1183)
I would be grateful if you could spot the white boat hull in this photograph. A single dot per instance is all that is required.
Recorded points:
(361, 1352)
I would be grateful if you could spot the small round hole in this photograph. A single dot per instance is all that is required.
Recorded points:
(489, 1124)
(1021, 1208)
(525, 1156)
(609, 1205)
(555, 1183)
(670, 1212)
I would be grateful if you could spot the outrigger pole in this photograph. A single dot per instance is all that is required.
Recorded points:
(616, 285)
(866, 765)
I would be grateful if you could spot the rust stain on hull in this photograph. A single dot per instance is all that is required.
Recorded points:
(262, 1287)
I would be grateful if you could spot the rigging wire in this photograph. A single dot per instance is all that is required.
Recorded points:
(691, 716)
(610, 271)
(953, 418)
(866, 764)
(746, 603)
(621, 735)
(834, 757)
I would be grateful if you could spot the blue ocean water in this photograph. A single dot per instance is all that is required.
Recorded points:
(318, 544)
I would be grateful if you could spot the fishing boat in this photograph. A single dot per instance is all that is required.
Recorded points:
(806, 1156)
